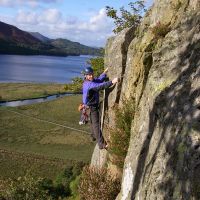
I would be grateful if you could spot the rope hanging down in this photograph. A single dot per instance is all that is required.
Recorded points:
(42, 120)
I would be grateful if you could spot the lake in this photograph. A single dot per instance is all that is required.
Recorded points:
(41, 69)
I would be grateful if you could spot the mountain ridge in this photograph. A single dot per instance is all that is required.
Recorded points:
(16, 41)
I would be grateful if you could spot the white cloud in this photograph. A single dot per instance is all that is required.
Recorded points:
(48, 16)
(26, 18)
(6, 3)
(51, 16)
(29, 3)
(51, 23)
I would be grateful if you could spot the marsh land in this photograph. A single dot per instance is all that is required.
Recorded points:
(29, 142)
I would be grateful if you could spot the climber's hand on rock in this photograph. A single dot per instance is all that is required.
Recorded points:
(115, 80)
(106, 70)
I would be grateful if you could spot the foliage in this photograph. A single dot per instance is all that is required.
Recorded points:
(177, 5)
(74, 188)
(160, 30)
(98, 66)
(29, 187)
(98, 184)
(75, 86)
(127, 18)
(70, 47)
(69, 179)
(120, 136)
(26, 187)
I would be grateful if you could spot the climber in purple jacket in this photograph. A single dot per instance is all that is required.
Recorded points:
(91, 87)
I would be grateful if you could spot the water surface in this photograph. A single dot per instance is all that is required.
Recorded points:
(41, 69)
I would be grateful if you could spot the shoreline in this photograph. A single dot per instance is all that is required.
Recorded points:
(19, 91)
(41, 97)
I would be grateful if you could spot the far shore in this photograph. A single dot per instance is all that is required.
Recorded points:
(24, 91)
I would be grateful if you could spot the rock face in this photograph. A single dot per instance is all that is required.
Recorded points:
(99, 157)
(159, 66)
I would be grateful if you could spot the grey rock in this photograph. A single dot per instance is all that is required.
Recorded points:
(162, 74)
(99, 157)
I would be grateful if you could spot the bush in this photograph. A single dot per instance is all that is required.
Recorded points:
(26, 187)
(120, 136)
(160, 30)
(96, 184)
(98, 65)
(74, 187)
(75, 86)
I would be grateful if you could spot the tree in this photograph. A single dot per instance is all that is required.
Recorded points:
(98, 65)
(127, 18)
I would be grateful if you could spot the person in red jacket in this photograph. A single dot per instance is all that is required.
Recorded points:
(91, 88)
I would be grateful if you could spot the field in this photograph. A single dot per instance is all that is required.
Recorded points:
(29, 140)
(13, 91)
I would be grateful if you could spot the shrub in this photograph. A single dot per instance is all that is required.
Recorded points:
(120, 136)
(97, 64)
(26, 187)
(177, 5)
(160, 30)
(74, 187)
(75, 86)
(45, 93)
(96, 184)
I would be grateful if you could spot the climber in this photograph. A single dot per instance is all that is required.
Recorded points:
(91, 87)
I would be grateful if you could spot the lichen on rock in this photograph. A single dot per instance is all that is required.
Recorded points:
(162, 74)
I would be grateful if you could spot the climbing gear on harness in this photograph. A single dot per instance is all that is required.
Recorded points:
(84, 114)
(80, 107)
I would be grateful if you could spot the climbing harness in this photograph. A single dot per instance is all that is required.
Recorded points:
(84, 114)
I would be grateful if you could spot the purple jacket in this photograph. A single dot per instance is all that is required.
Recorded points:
(91, 90)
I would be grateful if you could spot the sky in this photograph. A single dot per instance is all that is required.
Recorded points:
(83, 21)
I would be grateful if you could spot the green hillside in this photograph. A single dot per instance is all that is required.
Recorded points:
(74, 47)
(19, 42)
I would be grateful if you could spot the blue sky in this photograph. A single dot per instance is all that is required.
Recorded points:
(83, 21)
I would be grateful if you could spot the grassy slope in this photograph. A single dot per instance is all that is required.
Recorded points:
(46, 148)
(13, 91)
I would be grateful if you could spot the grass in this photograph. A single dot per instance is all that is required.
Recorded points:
(27, 143)
(15, 91)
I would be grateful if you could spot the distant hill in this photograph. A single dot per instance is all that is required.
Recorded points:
(16, 41)
(13, 34)
(73, 47)
(40, 37)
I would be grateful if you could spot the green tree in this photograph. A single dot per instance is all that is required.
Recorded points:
(127, 18)
(98, 65)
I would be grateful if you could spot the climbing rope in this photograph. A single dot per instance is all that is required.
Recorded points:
(50, 122)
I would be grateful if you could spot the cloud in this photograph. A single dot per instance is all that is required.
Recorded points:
(50, 16)
(93, 32)
(52, 23)
(26, 18)
(29, 3)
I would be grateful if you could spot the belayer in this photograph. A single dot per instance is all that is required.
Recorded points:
(91, 88)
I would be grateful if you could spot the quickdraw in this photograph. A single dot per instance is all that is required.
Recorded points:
(84, 114)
